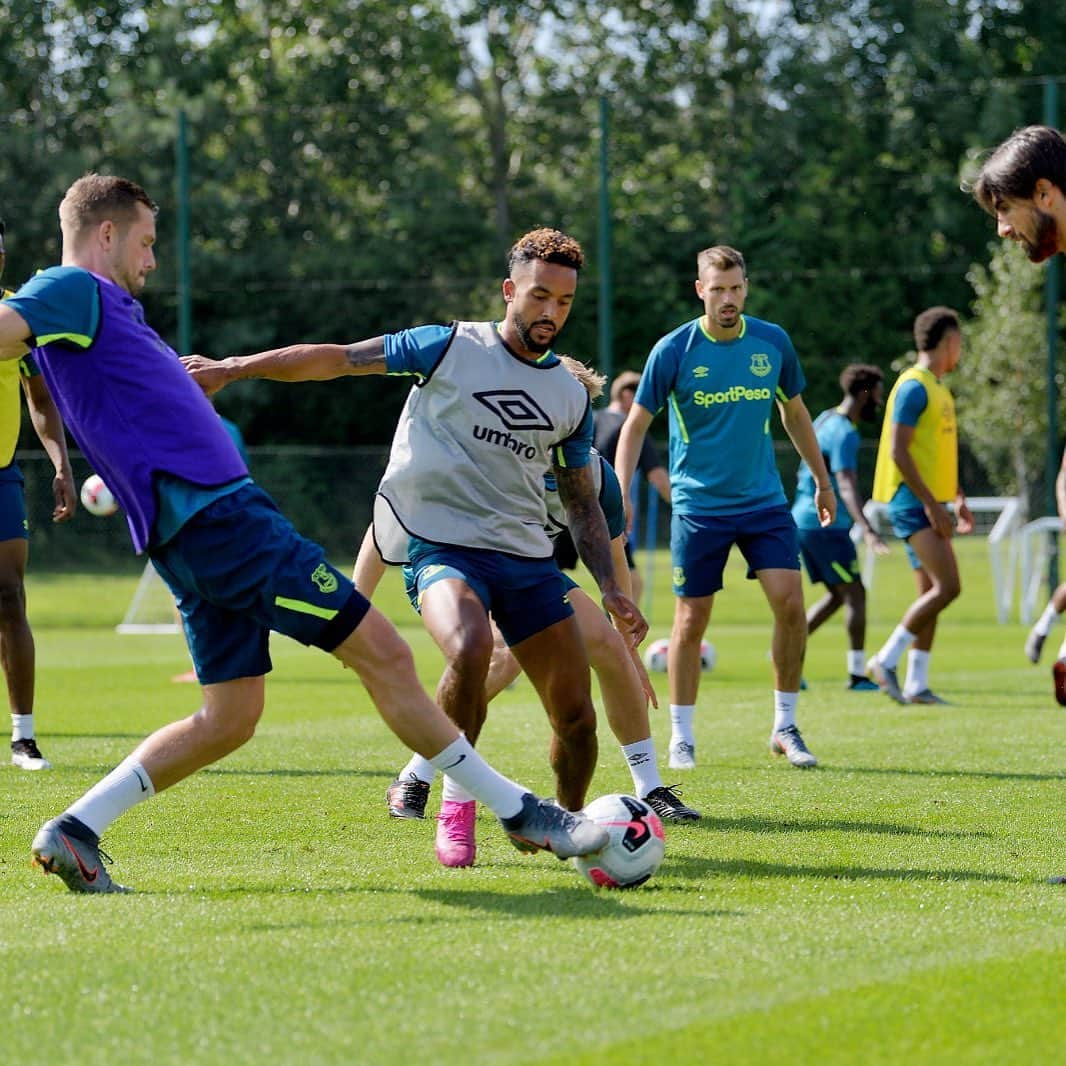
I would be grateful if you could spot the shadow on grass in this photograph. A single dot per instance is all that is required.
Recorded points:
(979, 775)
(51, 735)
(694, 867)
(754, 824)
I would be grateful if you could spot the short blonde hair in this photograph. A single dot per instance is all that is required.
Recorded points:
(97, 198)
(591, 379)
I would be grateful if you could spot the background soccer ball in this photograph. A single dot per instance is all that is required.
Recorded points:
(655, 655)
(635, 847)
(96, 497)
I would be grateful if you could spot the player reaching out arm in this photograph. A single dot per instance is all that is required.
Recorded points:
(462, 501)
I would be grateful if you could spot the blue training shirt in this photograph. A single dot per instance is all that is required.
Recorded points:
(838, 440)
(720, 395)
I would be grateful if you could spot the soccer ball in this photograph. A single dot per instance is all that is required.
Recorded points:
(635, 846)
(96, 497)
(655, 656)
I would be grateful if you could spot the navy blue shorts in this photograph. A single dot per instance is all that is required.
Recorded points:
(13, 523)
(524, 596)
(906, 521)
(239, 569)
(700, 546)
(829, 556)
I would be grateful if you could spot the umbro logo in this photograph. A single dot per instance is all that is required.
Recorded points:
(515, 408)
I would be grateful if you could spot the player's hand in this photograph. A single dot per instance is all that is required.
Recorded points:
(825, 506)
(627, 617)
(209, 374)
(875, 543)
(963, 516)
(940, 520)
(65, 495)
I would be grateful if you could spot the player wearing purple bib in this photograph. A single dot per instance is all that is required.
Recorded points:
(237, 567)
(720, 377)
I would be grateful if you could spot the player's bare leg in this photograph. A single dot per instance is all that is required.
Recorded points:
(784, 593)
(18, 654)
(691, 617)
(938, 585)
(554, 660)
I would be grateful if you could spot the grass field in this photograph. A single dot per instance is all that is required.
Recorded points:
(890, 906)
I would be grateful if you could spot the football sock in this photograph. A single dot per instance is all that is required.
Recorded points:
(917, 672)
(892, 650)
(784, 709)
(126, 786)
(642, 766)
(418, 767)
(681, 715)
(21, 727)
(454, 792)
(470, 771)
(1046, 620)
(1062, 651)
(857, 663)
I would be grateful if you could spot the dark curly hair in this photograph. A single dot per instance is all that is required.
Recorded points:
(550, 245)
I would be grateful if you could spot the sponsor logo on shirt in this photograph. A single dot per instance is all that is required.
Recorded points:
(734, 394)
(518, 411)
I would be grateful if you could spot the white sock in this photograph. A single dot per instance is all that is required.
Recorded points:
(917, 672)
(681, 723)
(21, 727)
(126, 786)
(453, 792)
(784, 709)
(470, 771)
(892, 650)
(418, 767)
(1046, 620)
(1062, 651)
(857, 663)
(642, 766)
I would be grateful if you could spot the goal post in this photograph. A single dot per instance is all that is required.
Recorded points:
(1000, 518)
(1036, 539)
(151, 610)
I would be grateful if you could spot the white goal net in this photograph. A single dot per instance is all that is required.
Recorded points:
(152, 608)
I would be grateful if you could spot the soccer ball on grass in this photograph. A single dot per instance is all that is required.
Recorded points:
(635, 846)
(96, 497)
(655, 656)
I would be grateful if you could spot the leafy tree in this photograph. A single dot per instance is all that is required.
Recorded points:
(1000, 379)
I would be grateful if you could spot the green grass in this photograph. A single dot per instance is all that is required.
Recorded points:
(891, 906)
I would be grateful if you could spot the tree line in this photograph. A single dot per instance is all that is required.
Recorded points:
(359, 166)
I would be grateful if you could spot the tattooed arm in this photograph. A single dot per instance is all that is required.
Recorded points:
(588, 528)
(297, 362)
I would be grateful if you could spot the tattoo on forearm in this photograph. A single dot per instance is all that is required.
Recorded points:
(588, 528)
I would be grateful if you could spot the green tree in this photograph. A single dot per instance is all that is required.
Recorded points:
(1000, 379)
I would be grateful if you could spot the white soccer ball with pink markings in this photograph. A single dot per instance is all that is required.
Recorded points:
(635, 846)
(657, 651)
(96, 497)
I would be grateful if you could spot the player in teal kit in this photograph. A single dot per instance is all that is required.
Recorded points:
(829, 553)
(719, 377)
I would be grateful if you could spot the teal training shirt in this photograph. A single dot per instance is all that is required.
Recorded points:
(838, 441)
(720, 397)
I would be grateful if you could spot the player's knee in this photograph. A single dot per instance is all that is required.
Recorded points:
(604, 645)
(574, 719)
(950, 589)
